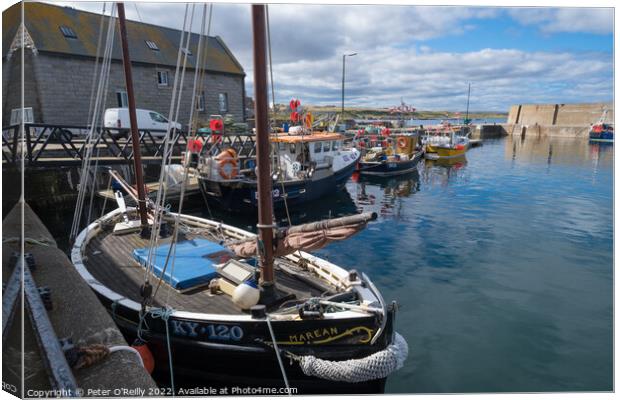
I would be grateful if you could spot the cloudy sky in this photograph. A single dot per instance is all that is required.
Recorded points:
(425, 54)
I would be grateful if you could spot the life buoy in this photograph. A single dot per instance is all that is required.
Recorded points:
(401, 142)
(309, 120)
(227, 163)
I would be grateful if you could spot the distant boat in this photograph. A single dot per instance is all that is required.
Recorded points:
(446, 145)
(305, 167)
(601, 131)
(399, 157)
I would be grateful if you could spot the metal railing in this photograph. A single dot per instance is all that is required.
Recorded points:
(47, 144)
(57, 368)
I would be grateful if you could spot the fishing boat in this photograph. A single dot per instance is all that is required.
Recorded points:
(602, 131)
(219, 305)
(452, 144)
(172, 184)
(401, 156)
(306, 166)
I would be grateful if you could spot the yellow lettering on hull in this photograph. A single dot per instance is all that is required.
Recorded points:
(327, 335)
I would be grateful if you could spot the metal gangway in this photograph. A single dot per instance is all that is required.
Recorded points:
(65, 145)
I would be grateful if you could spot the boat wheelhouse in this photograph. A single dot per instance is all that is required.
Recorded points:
(303, 167)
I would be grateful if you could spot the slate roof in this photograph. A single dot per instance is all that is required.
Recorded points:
(43, 22)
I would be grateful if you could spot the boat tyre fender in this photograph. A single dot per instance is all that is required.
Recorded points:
(375, 366)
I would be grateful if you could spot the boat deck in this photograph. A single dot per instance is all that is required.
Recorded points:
(109, 259)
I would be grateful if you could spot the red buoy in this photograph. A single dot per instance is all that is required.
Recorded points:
(194, 145)
(216, 125)
(145, 354)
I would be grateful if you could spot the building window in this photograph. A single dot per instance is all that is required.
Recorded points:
(162, 78)
(317, 147)
(68, 32)
(200, 103)
(223, 100)
(16, 116)
(121, 98)
(151, 45)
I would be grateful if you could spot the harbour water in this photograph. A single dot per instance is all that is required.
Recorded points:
(502, 264)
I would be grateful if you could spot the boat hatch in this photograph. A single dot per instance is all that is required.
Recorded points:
(194, 262)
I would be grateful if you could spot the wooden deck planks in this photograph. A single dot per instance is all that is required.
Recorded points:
(110, 261)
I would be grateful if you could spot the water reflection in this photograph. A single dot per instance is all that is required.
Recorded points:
(336, 205)
(556, 150)
(383, 195)
(441, 172)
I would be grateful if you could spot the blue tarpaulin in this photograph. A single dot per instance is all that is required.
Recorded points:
(194, 263)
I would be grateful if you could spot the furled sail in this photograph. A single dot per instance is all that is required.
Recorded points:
(308, 237)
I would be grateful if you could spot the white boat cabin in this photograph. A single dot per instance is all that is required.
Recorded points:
(301, 155)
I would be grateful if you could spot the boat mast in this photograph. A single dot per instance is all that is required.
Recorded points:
(467, 110)
(264, 190)
(131, 102)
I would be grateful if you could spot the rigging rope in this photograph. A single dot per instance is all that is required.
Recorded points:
(278, 356)
(164, 314)
(96, 122)
(160, 198)
(273, 119)
(173, 243)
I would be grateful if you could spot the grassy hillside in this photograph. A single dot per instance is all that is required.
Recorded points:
(383, 113)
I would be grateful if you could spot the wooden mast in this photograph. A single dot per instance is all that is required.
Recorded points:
(264, 189)
(133, 122)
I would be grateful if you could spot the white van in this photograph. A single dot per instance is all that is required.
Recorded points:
(147, 120)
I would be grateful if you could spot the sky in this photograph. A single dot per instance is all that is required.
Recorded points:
(426, 55)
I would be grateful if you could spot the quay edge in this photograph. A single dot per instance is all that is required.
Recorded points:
(76, 313)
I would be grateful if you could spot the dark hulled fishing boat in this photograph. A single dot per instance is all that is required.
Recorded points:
(219, 305)
(602, 131)
(400, 157)
(306, 167)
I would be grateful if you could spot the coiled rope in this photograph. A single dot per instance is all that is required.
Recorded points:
(94, 353)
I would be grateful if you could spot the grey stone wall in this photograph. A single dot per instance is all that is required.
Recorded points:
(11, 85)
(62, 89)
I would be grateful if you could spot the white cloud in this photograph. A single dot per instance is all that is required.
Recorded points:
(308, 42)
(553, 20)
(438, 80)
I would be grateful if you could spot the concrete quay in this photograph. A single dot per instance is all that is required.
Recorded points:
(76, 314)
(559, 120)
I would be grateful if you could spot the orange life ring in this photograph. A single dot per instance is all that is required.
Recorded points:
(401, 142)
(309, 120)
(227, 163)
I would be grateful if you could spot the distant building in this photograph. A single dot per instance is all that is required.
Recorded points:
(59, 65)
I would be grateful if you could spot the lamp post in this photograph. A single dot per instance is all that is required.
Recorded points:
(343, 58)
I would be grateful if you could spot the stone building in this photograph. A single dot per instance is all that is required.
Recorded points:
(59, 65)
